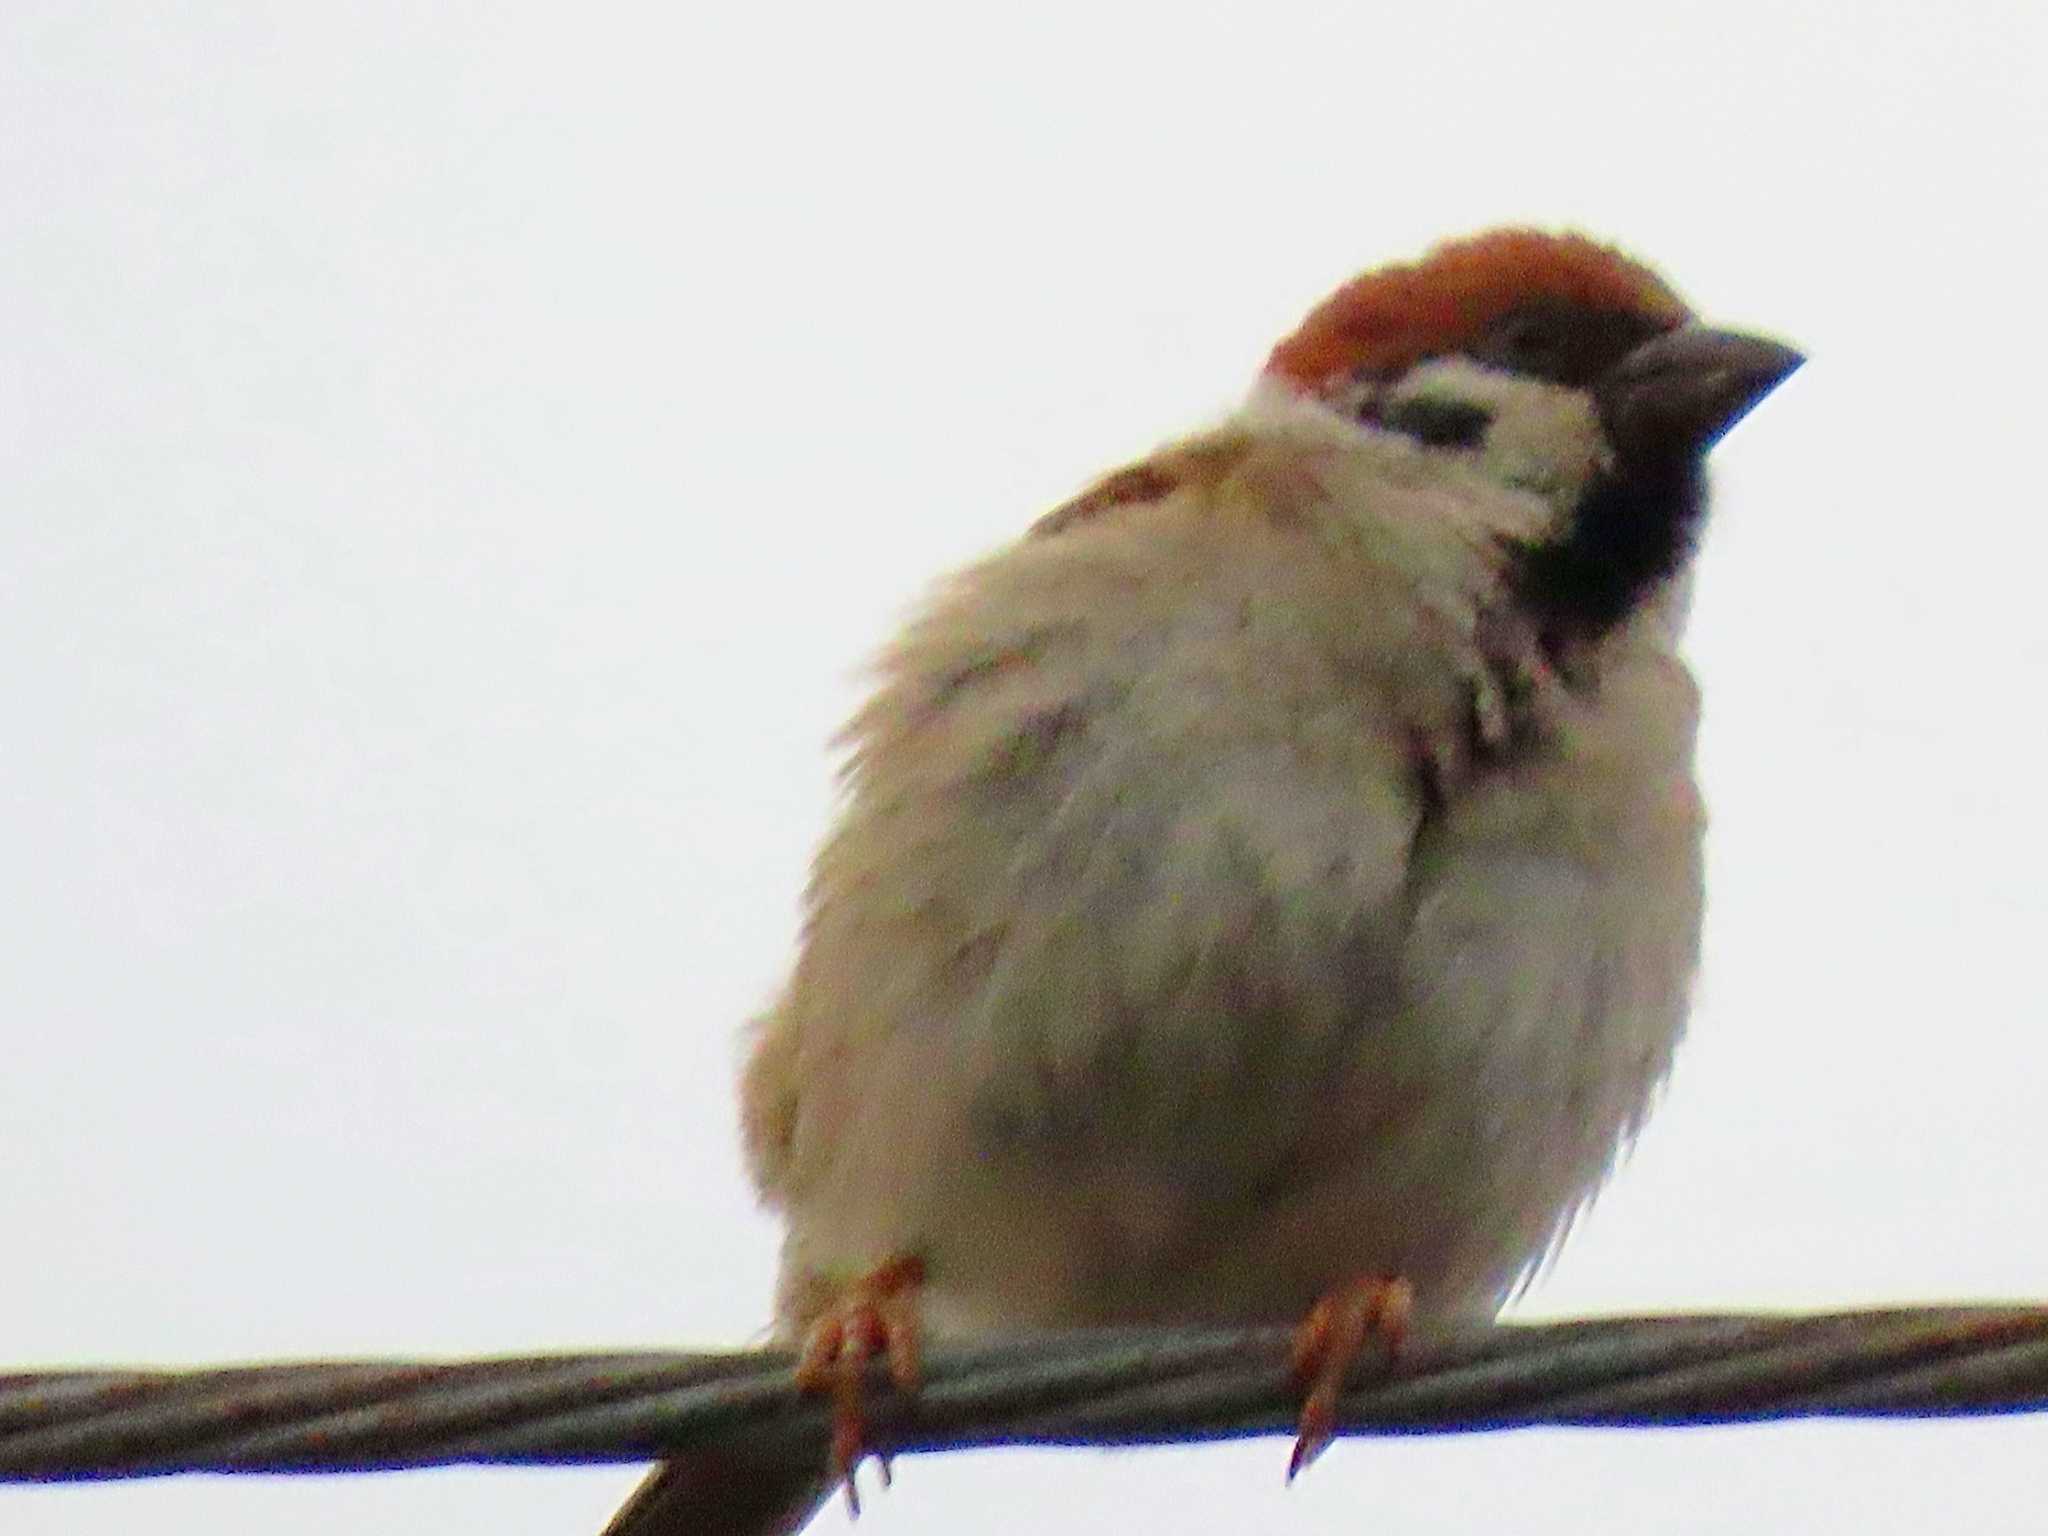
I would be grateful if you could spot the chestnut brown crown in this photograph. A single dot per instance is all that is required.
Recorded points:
(1386, 320)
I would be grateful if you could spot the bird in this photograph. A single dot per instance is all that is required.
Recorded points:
(1269, 889)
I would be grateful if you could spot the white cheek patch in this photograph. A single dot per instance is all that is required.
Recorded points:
(1544, 437)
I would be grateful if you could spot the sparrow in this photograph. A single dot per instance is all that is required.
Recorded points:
(1269, 890)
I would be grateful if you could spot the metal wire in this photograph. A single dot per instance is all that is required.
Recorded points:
(1085, 1388)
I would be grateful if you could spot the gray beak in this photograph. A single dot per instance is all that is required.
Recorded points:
(1680, 392)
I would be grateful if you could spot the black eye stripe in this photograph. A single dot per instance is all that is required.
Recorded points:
(1438, 423)
(1564, 343)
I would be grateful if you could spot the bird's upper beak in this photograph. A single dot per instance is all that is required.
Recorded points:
(1683, 390)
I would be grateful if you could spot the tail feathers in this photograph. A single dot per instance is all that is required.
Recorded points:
(722, 1494)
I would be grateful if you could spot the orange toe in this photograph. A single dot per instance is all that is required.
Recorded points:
(1327, 1345)
(875, 1317)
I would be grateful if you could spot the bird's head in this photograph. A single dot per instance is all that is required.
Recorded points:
(1556, 365)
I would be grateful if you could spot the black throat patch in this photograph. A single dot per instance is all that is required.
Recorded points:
(1634, 527)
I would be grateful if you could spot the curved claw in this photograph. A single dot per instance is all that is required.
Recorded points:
(876, 1317)
(1327, 1346)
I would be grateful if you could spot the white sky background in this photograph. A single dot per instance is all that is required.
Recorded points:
(454, 461)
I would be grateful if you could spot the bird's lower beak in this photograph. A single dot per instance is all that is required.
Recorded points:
(1683, 390)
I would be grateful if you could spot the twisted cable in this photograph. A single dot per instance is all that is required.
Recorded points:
(1095, 1388)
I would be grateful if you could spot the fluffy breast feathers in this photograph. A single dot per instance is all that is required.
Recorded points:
(1166, 829)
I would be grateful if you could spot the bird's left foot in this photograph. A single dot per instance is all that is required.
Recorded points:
(874, 1317)
(1327, 1345)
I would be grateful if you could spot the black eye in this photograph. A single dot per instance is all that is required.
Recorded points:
(1438, 423)
(1564, 343)
(1532, 344)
